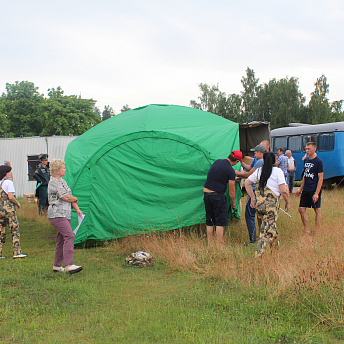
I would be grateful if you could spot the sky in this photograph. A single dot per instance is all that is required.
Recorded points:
(158, 52)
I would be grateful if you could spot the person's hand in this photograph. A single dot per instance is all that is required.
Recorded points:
(315, 198)
(252, 205)
(233, 205)
(18, 205)
(79, 212)
(287, 207)
(238, 173)
(76, 200)
(298, 192)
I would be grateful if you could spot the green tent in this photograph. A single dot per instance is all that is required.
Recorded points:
(144, 170)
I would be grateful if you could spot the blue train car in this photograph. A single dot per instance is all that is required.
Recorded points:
(329, 138)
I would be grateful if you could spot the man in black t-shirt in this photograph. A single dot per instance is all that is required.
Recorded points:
(220, 174)
(310, 189)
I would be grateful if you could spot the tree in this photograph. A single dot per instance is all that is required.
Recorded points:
(280, 102)
(210, 99)
(22, 105)
(319, 104)
(249, 96)
(337, 110)
(108, 112)
(125, 108)
(214, 101)
(68, 115)
(4, 124)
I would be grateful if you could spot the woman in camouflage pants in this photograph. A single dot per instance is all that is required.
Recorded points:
(8, 214)
(270, 184)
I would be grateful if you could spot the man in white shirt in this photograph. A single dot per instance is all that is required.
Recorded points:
(291, 168)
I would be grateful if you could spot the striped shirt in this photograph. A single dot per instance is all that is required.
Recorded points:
(57, 207)
(282, 162)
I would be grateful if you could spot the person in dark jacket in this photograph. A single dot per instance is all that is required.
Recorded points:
(42, 176)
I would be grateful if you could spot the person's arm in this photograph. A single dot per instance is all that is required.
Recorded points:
(37, 177)
(77, 209)
(69, 198)
(231, 191)
(249, 190)
(320, 183)
(294, 165)
(244, 174)
(13, 199)
(298, 192)
(246, 167)
(285, 194)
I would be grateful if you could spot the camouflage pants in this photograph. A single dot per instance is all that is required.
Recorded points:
(8, 217)
(267, 206)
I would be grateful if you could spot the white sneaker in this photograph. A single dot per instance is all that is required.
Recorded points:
(19, 256)
(2, 257)
(73, 269)
(58, 269)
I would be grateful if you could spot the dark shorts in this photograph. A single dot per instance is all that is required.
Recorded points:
(306, 200)
(216, 209)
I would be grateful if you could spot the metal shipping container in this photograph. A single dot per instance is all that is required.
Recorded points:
(17, 150)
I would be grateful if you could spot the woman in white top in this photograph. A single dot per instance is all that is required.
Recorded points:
(270, 184)
(8, 214)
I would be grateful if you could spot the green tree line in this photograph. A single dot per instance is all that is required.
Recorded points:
(26, 112)
(279, 102)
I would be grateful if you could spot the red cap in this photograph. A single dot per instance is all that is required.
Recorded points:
(237, 155)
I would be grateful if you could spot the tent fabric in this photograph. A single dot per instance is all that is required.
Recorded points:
(144, 170)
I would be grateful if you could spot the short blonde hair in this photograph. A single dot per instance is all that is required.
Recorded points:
(55, 165)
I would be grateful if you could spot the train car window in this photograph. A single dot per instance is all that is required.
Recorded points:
(294, 143)
(308, 138)
(280, 142)
(326, 142)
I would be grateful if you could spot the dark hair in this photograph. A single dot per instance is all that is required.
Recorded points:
(269, 160)
(281, 150)
(232, 158)
(4, 169)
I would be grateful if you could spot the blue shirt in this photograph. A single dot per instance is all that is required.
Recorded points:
(221, 171)
(311, 173)
(282, 162)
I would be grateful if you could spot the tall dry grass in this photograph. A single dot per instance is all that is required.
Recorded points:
(306, 270)
(302, 261)
(29, 211)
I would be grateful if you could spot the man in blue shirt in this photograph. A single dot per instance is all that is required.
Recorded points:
(220, 174)
(282, 163)
(250, 213)
(310, 189)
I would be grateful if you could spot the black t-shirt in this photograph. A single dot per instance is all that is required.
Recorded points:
(219, 174)
(312, 168)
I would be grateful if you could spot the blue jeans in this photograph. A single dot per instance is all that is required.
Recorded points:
(290, 181)
(250, 217)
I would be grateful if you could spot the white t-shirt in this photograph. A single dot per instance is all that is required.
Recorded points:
(8, 186)
(291, 163)
(275, 180)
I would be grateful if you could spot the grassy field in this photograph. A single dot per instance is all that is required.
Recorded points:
(193, 294)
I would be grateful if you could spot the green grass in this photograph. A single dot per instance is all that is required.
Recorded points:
(110, 302)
